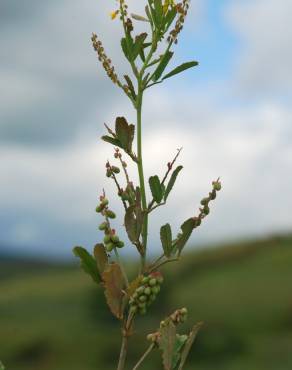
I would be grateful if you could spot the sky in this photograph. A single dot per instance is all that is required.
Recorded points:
(232, 115)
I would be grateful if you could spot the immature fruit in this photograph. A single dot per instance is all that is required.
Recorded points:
(120, 244)
(103, 226)
(110, 214)
(99, 208)
(115, 239)
(104, 202)
(205, 201)
(109, 247)
(152, 282)
(155, 290)
(106, 239)
(147, 291)
(145, 280)
(115, 169)
(142, 298)
(217, 185)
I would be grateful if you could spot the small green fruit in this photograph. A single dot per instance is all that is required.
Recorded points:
(120, 244)
(205, 201)
(110, 214)
(147, 291)
(103, 226)
(99, 208)
(104, 202)
(145, 279)
(140, 290)
(142, 298)
(217, 185)
(152, 282)
(107, 239)
(155, 289)
(115, 169)
(109, 247)
(115, 239)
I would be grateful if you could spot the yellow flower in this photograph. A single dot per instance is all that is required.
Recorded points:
(114, 14)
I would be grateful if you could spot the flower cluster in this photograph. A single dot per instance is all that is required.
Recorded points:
(182, 10)
(146, 293)
(105, 61)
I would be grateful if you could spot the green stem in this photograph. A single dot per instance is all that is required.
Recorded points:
(141, 172)
(150, 348)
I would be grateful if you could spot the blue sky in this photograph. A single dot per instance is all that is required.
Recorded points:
(232, 115)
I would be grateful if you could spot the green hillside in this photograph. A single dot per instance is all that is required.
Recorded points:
(55, 318)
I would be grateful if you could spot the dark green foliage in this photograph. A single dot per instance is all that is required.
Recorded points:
(172, 181)
(88, 263)
(180, 69)
(166, 239)
(156, 188)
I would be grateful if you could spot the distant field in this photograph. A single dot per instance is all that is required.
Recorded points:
(55, 318)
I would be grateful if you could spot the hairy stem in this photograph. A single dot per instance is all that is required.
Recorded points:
(150, 348)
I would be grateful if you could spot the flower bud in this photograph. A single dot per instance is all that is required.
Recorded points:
(99, 208)
(140, 290)
(206, 210)
(216, 185)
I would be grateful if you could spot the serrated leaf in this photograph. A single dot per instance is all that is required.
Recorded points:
(178, 345)
(100, 257)
(134, 285)
(188, 344)
(112, 141)
(156, 188)
(114, 285)
(187, 229)
(172, 181)
(134, 218)
(162, 65)
(166, 239)
(180, 69)
(167, 343)
(138, 44)
(125, 133)
(88, 263)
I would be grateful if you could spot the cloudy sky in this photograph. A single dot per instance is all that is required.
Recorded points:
(232, 115)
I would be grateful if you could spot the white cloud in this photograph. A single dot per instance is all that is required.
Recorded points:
(264, 63)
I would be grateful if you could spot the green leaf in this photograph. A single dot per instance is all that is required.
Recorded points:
(124, 46)
(178, 345)
(101, 257)
(112, 141)
(187, 229)
(188, 345)
(158, 11)
(169, 18)
(162, 65)
(88, 263)
(156, 188)
(166, 239)
(131, 86)
(114, 285)
(180, 69)
(138, 44)
(167, 343)
(172, 181)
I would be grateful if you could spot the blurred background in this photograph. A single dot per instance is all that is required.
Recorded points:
(232, 115)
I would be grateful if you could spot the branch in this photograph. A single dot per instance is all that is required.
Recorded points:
(150, 348)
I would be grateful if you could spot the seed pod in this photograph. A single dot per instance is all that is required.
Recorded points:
(110, 214)
(106, 239)
(115, 169)
(141, 304)
(142, 298)
(206, 210)
(115, 239)
(217, 185)
(120, 244)
(103, 226)
(155, 290)
(152, 282)
(147, 291)
(104, 202)
(145, 280)
(109, 247)
(99, 208)
(205, 201)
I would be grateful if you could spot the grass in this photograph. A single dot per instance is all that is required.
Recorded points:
(55, 318)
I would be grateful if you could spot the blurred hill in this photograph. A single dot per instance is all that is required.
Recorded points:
(53, 317)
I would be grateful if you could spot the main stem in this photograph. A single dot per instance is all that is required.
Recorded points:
(141, 173)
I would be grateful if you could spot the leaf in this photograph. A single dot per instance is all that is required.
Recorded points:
(172, 181)
(189, 343)
(138, 45)
(162, 65)
(166, 239)
(101, 257)
(169, 18)
(180, 69)
(131, 86)
(114, 285)
(138, 17)
(112, 140)
(124, 46)
(167, 343)
(187, 229)
(133, 223)
(158, 11)
(88, 263)
(125, 133)
(134, 285)
(178, 345)
(156, 188)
